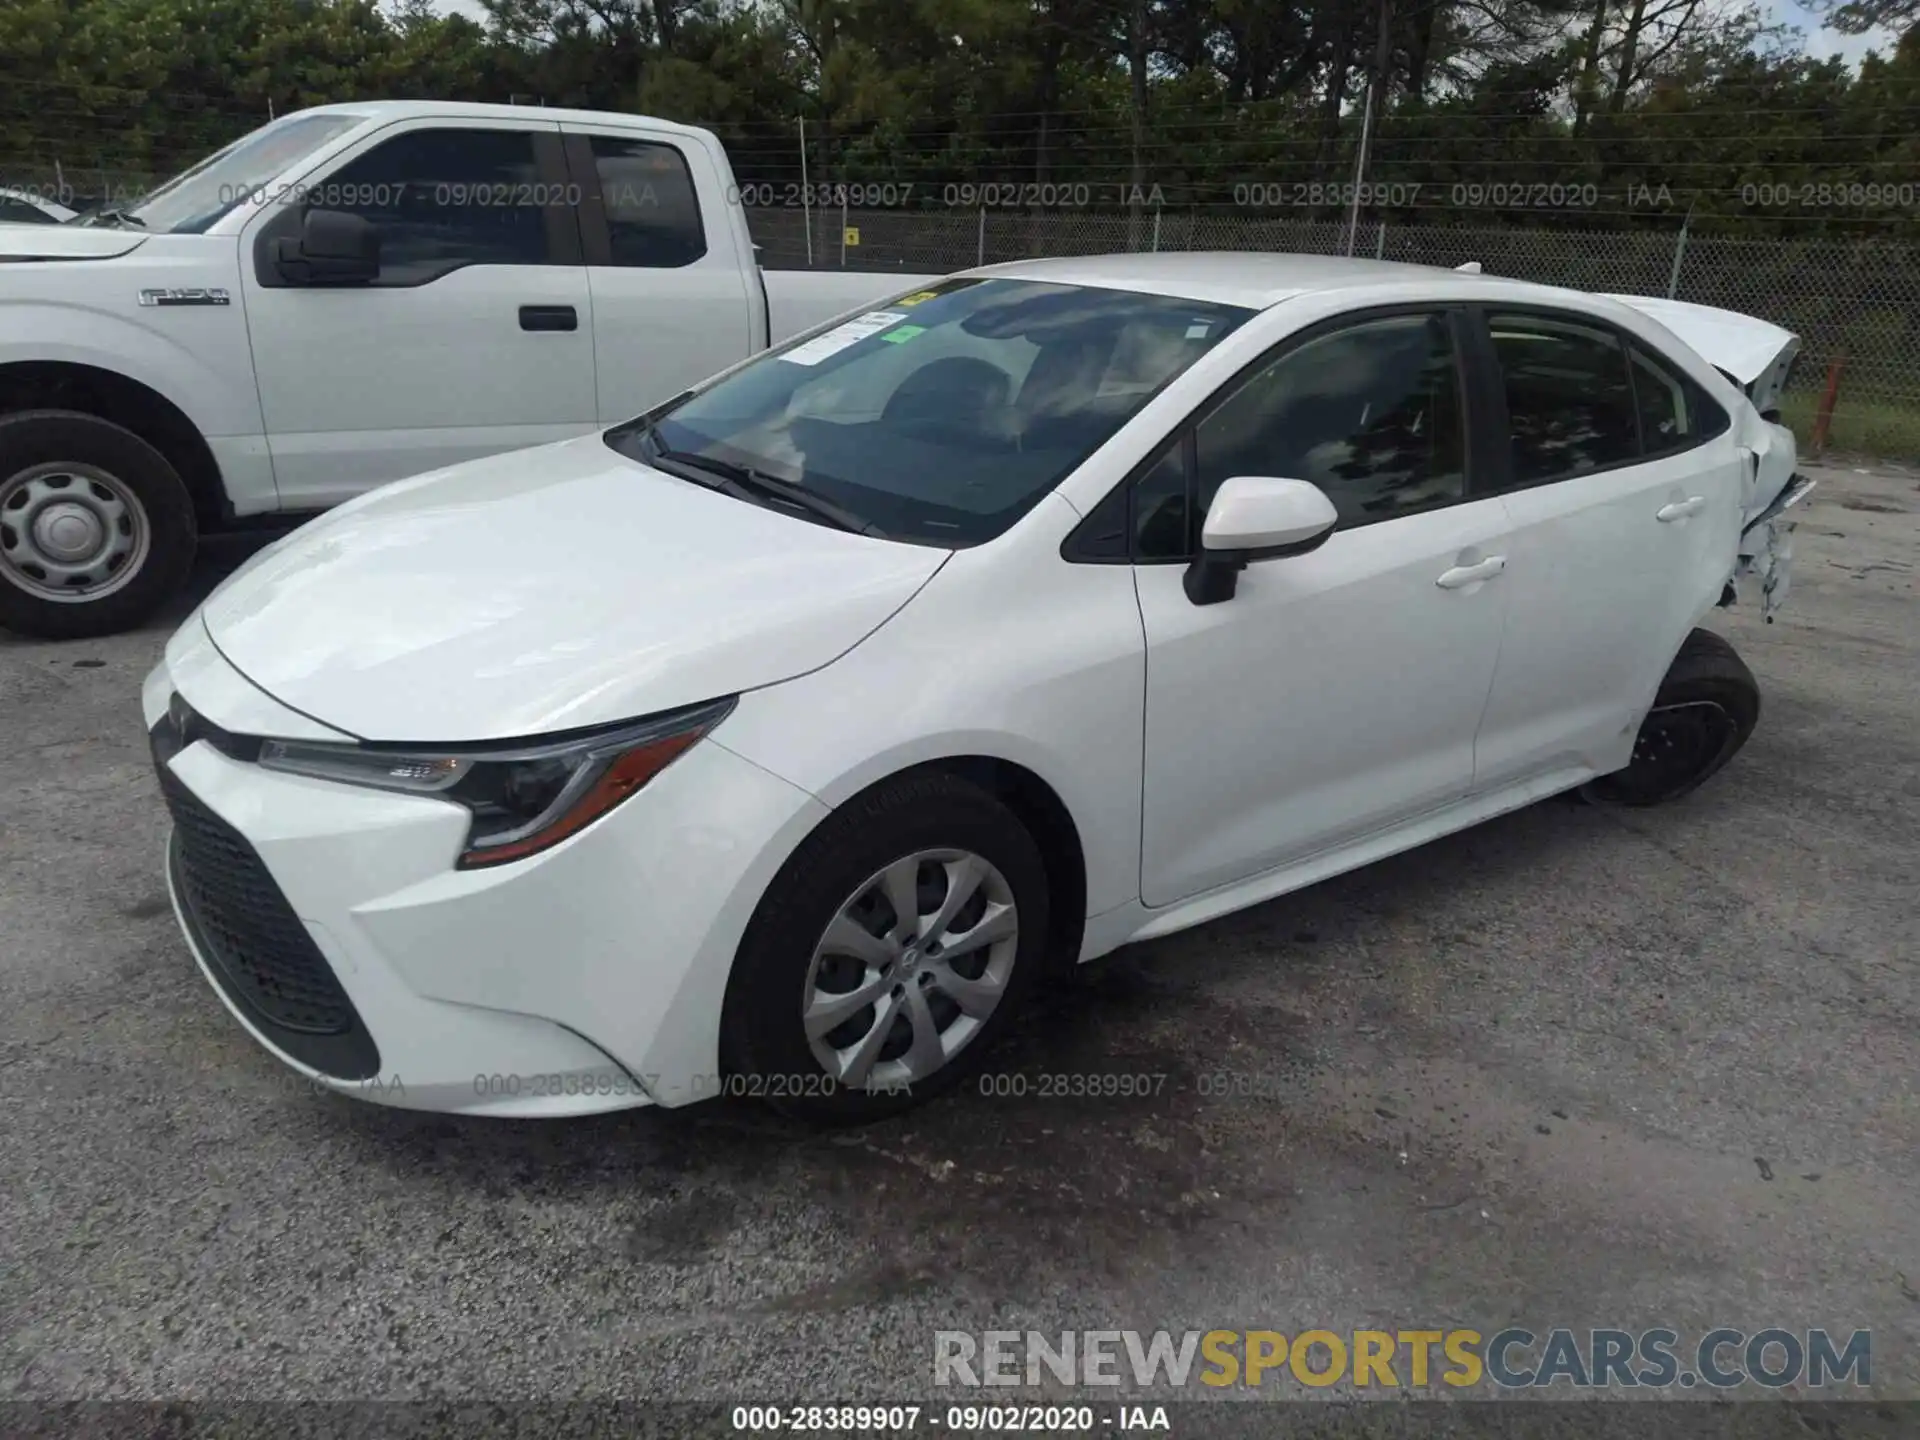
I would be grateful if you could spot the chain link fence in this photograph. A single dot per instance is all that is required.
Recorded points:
(1854, 303)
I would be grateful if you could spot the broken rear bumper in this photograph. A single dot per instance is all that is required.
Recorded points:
(1766, 548)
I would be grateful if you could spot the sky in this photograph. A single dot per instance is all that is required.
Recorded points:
(1820, 41)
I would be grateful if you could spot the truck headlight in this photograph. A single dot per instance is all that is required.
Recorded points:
(524, 797)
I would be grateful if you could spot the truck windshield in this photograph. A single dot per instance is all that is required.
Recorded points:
(200, 195)
(945, 415)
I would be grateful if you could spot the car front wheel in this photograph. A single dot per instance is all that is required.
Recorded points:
(890, 951)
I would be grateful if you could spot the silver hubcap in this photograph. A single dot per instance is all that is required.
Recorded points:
(70, 532)
(914, 963)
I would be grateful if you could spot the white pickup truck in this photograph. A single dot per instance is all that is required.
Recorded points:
(346, 296)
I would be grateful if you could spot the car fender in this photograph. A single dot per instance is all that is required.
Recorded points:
(963, 671)
(1057, 770)
(896, 701)
(681, 1061)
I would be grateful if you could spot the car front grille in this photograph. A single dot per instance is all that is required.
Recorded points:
(260, 954)
(247, 925)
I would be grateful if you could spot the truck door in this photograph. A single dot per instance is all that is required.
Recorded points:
(476, 336)
(670, 287)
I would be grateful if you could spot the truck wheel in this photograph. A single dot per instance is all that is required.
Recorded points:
(1706, 709)
(96, 528)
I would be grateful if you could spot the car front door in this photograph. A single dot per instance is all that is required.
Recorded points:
(1624, 487)
(475, 337)
(1337, 692)
(669, 276)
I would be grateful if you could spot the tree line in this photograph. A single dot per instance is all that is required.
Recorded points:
(1532, 112)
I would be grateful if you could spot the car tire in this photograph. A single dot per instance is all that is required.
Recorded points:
(1706, 709)
(845, 873)
(89, 508)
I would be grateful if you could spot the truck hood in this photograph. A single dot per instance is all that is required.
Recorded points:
(66, 242)
(544, 590)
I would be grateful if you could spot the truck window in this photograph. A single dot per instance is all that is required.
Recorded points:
(442, 199)
(653, 217)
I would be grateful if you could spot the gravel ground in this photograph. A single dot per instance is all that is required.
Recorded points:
(1570, 1068)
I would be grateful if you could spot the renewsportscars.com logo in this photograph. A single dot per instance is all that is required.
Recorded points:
(1511, 1359)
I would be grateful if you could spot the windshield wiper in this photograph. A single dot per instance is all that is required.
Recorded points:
(743, 482)
(114, 215)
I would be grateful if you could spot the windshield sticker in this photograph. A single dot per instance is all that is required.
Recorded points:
(919, 297)
(823, 347)
(903, 334)
(1198, 330)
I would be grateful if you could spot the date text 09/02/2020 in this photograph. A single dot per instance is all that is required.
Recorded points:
(997, 1085)
(960, 1419)
(651, 1086)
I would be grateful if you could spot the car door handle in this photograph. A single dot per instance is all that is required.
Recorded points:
(549, 317)
(1680, 509)
(1461, 576)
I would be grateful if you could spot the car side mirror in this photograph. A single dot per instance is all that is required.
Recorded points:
(1772, 416)
(334, 247)
(1256, 517)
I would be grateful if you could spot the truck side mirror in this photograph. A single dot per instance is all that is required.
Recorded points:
(334, 247)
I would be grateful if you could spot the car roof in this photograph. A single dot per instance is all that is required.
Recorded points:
(1251, 279)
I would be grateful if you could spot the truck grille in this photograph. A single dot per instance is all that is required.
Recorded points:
(259, 952)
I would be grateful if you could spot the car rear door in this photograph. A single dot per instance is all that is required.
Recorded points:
(1624, 487)
(1337, 692)
(672, 299)
(473, 338)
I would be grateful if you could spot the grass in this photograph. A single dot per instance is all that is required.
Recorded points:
(1886, 427)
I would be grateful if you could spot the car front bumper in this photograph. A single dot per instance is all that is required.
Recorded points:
(331, 922)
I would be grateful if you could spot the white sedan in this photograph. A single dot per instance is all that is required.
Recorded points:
(783, 740)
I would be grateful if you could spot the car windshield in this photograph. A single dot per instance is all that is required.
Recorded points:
(200, 195)
(945, 415)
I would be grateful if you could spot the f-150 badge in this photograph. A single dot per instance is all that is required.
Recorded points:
(185, 297)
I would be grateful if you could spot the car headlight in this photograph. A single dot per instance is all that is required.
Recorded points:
(525, 797)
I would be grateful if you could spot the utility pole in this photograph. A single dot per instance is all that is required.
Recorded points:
(1137, 56)
(806, 191)
(1679, 253)
(1376, 80)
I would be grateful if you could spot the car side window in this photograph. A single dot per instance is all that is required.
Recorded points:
(1371, 413)
(653, 215)
(1674, 412)
(1162, 527)
(444, 199)
(1570, 403)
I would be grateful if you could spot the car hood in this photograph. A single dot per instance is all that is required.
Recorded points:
(66, 242)
(544, 590)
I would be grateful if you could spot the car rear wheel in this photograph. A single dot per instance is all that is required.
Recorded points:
(891, 950)
(1707, 707)
(96, 528)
